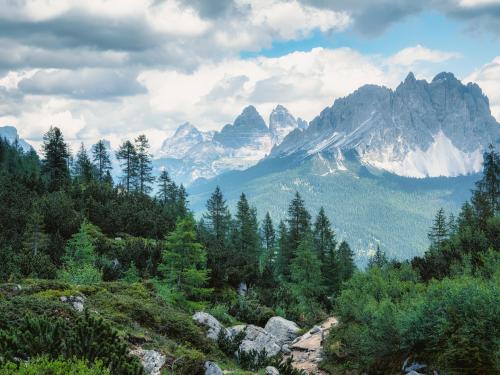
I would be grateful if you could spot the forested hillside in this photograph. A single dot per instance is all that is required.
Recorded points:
(95, 272)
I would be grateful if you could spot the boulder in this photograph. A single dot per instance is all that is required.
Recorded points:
(257, 338)
(211, 368)
(284, 330)
(213, 325)
(413, 372)
(151, 360)
(270, 370)
(77, 302)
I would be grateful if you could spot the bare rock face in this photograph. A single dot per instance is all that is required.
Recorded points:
(151, 360)
(256, 338)
(211, 368)
(77, 302)
(270, 370)
(284, 330)
(213, 325)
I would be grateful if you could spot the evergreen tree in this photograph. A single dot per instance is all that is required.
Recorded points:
(379, 259)
(55, 159)
(127, 155)
(182, 202)
(217, 220)
(345, 263)
(82, 166)
(102, 161)
(488, 188)
(268, 234)
(167, 191)
(439, 231)
(283, 256)
(306, 270)
(184, 261)
(299, 226)
(144, 164)
(324, 237)
(245, 244)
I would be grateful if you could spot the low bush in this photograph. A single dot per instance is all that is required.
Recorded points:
(47, 366)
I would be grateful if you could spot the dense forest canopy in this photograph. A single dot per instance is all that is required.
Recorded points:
(64, 219)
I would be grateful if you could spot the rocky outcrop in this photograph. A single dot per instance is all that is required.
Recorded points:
(211, 368)
(284, 330)
(213, 325)
(151, 360)
(258, 339)
(270, 370)
(77, 302)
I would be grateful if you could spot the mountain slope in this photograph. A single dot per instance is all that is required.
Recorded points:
(366, 206)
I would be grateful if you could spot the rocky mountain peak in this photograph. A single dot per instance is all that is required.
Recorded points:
(281, 123)
(9, 133)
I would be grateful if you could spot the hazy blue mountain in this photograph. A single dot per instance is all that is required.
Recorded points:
(10, 134)
(191, 154)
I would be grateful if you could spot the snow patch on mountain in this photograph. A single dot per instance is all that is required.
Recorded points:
(442, 158)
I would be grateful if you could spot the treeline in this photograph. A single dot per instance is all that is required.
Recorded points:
(63, 217)
(439, 312)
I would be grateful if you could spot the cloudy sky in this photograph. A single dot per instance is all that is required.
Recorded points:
(115, 68)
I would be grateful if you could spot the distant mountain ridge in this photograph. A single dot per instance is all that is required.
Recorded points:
(191, 154)
(10, 134)
(420, 129)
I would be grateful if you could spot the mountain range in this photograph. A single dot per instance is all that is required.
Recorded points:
(191, 154)
(10, 134)
(380, 161)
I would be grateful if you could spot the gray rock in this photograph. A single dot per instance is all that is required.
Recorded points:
(413, 373)
(213, 325)
(77, 302)
(284, 330)
(270, 370)
(315, 330)
(286, 349)
(257, 338)
(211, 368)
(242, 289)
(151, 360)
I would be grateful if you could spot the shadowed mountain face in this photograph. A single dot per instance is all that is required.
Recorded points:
(10, 134)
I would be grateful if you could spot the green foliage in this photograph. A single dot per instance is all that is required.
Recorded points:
(252, 360)
(55, 162)
(80, 259)
(248, 309)
(185, 261)
(230, 345)
(86, 338)
(47, 366)
(285, 367)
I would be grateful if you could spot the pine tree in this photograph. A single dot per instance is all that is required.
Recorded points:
(283, 254)
(488, 188)
(345, 263)
(102, 161)
(268, 234)
(144, 164)
(245, 244)
(324, 237)
(55, 159)
(165, 190)
(185, 261)
(182, 202)
(379, 259)
(299, 226)
(306, 270)
(127, 154)
(439, 231)
(217, 221)
(82, 166)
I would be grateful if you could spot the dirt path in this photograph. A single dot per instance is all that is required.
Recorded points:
(307, 349)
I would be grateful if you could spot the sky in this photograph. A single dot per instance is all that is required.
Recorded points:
(113, 69)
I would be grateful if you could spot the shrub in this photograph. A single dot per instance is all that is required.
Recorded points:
(228, 344)
(252, 360)
(86, 338)
(47, 366)
(248, 309)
